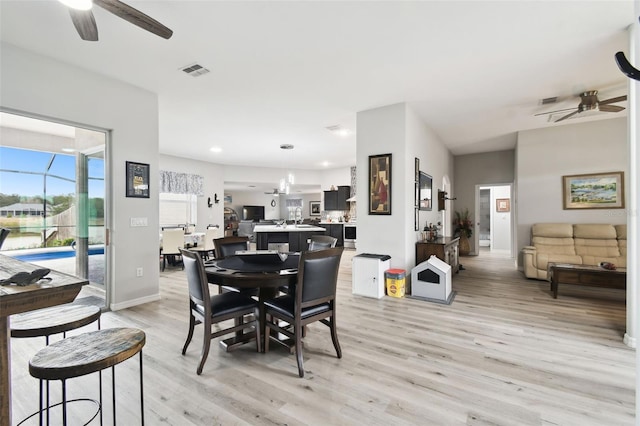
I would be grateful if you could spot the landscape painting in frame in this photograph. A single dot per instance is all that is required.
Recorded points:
(593, 191)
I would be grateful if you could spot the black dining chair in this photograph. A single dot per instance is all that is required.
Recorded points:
(228, 246)
(313, 300)
(4, 232)
(208, 310)
(321, 242)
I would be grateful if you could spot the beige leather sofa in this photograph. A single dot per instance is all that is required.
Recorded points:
(579, 244)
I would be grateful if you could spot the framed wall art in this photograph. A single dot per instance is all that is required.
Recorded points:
(503, 205)
(593, 191)
(137, 177)
(314, 208)
(380, 184)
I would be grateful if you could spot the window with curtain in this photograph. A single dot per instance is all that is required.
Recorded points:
(294, 207)
(177, 209)
(179, 197)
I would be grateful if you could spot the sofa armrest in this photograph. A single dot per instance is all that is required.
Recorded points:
(529, 261)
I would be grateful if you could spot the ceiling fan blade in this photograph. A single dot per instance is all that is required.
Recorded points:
(85, 24)
(134, 16)
(553, 112)
(610, 108)
(568, 115)
(614, 100)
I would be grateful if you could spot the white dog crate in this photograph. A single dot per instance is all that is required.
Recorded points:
(368, 274)
(432, 280)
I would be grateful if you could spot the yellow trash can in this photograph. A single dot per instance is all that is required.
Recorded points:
(395, 282)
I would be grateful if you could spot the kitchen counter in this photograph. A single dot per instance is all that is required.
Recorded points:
(295, 236)
(289, 228)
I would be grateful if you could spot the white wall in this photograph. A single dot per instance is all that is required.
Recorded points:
(50, 89)
(396, 129)
(545, 155)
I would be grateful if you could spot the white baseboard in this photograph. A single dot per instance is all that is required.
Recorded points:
(629, 341)
(134, 302)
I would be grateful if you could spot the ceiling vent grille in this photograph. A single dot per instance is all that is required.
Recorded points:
(552, 100)
(195, 70)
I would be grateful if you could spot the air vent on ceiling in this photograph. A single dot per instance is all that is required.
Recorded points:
(552, 100)
(195, 70)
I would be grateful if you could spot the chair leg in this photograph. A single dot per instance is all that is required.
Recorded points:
(256, 326)
(164, 261)
(267, 333)
(192, 323)
(334, 336)
(298, 338)
(206, 344)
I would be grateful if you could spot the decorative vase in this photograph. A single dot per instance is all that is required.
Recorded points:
(464, 248)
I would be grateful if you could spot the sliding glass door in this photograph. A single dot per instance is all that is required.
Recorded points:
(52, 197)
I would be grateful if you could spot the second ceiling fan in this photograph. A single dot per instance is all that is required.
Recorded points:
(85, 22)
(589, 102)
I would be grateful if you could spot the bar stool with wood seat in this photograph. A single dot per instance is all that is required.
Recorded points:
(54, 320)
(88, 353)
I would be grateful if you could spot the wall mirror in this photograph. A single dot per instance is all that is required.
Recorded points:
(425, 191)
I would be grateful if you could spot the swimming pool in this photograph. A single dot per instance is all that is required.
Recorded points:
(55, 254)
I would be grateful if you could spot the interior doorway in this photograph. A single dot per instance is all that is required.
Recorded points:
(494, 219)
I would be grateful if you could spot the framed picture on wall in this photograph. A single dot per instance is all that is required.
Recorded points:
(503, 205)
(137, 177)
(314, 208)
(380, 184)
(593, 191)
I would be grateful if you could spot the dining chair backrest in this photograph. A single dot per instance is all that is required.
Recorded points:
(317, 277)
(322, 242)
(210, 234)
(172, 240)
(227, 246)
(196, 279)
(3, 235)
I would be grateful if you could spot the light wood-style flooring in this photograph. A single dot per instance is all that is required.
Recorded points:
(503, 353)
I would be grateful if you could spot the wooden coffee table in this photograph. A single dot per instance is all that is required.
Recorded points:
(587, 275)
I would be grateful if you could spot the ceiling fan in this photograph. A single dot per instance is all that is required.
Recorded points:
(85, 23)
(588, 102)
(275, 192)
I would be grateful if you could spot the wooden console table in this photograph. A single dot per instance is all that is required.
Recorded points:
(444, 248)
(61, 289)
(587, 275)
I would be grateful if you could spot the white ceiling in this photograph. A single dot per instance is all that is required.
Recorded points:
(281, 72)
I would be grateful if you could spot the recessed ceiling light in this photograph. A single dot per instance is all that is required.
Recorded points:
(68, 150)
(215, 149)
(339, 131)
(325, 163)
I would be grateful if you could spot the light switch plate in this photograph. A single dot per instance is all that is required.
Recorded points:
(139, 221)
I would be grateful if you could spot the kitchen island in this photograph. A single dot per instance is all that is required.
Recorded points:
(294, 235)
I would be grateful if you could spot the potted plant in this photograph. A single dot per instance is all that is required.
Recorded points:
(463, 228)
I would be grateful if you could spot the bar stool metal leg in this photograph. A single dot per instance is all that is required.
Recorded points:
(141, 392)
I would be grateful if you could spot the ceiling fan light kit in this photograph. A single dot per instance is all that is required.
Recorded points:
(78, 4)
(85, 23)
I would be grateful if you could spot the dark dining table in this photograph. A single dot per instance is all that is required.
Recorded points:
(62, 288)
(233, 271)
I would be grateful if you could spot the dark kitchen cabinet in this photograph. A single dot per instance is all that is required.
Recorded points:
(337, 200)
(335, 230)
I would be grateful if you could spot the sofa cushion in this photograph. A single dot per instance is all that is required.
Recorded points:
(542, 260)
(552, 230)
(596, 243)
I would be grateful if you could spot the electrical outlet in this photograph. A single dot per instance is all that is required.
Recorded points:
(138, 272)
